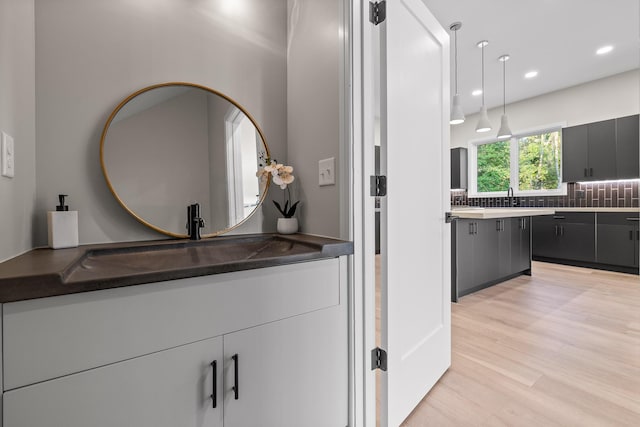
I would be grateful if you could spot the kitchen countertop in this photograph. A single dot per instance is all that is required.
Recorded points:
(491, 213)
(472, 212)
(47, 272)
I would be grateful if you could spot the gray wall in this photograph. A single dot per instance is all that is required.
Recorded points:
(313, 99)
(93, 53)
(17, 118)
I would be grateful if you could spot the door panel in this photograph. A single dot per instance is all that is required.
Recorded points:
(574, 153)
(165, 389)
(627, 147)
(602, 150)
(416, 264)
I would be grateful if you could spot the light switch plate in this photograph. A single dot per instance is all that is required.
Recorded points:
(327, 172)
(8, 156)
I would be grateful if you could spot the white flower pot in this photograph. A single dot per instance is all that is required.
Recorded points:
(287, 225)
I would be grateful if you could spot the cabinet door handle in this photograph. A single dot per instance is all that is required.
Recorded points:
(638, 234)
(590, 171)
(475, 228)
(235, 388)
(633, 218)
(498, 225)
(630, 234)
(214, 393)
(558, 217)
(562, 230)
(585, 172)
(555, 230)
(470, 228)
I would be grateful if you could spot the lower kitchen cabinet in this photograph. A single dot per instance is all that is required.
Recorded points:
(485, 252)
(604, 240)
(617, 239)
(569, 236)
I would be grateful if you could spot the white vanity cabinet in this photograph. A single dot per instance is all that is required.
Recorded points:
(142, 355)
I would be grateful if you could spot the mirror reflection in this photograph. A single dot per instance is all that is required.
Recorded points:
(171, 145)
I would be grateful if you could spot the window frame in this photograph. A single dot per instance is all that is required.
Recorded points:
(514, 166)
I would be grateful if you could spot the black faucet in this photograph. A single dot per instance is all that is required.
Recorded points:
(512, 199)
(194, 221)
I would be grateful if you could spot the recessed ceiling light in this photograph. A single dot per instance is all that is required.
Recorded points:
(477, 92)
(530, 74)
(604, 49)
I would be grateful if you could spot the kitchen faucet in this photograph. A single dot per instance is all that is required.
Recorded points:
(512, 200)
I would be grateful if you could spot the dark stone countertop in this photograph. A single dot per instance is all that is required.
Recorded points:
(45, 272)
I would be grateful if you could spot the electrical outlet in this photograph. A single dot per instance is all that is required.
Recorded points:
(327, 172)
(8, 156)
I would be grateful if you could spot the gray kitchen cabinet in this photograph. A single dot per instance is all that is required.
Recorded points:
(601, 150)
(459, 168)
(567, 235)
(483, 253)
(520, 244)
(617, 238)
(503, 229)
(574, 154)
(628, 147)
(601, 143)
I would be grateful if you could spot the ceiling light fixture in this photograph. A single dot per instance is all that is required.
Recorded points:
(504, 131)
(604, 49)
(477, 92)
(530, 74)
(457, 115)
(483, 124)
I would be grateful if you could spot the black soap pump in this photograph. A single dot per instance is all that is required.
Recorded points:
(63, 226)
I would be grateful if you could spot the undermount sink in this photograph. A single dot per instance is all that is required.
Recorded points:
(181, 256)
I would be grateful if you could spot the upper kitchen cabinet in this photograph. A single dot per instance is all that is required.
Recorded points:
(459, 168)
(601, 150)
(627, 147)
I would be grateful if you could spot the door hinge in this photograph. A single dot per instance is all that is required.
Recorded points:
(377, 12)
(378, 185)
(378, 359)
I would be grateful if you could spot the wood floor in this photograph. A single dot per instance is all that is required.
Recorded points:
(559, 348)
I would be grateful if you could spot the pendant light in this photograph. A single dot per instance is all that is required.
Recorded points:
(483, 124)
(457, 115)
(504, 132)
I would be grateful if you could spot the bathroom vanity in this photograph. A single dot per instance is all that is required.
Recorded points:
(233, 331)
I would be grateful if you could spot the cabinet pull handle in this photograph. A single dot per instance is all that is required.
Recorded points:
(590, 171)
(555, 228)
(585, 172)
(638, 234)
(236, 393)
(561, 230)
(470, 228)
(498, 225)
(214, 393)
(558, 217)
(633, 218)
(475, 228)
(630, 234)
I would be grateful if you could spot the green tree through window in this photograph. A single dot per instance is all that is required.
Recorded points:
(493, 167)
(539, 161)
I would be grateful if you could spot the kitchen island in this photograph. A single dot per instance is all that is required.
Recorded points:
(490, 245)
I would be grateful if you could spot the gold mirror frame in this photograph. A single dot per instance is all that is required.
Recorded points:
(138, 217)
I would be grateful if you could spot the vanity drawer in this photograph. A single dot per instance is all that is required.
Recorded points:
(51, 337)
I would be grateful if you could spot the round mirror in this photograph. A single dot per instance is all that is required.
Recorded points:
(171, 145)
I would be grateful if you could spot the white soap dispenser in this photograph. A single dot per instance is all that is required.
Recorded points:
(63, 226)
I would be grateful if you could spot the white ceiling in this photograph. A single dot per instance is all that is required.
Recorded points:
(558, 38)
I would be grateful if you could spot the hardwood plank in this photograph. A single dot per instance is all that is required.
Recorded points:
(558, 348)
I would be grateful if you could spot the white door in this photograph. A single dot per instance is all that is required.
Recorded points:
(416, 256)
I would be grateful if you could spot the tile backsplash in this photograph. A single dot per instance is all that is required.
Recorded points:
(620, 194)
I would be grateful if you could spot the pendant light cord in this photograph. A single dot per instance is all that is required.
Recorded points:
(504, 86)
(455, 62)
(482, 74)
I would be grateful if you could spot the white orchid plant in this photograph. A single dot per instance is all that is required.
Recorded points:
(281, 175)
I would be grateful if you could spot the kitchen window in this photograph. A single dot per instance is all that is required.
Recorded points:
(529, 162)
